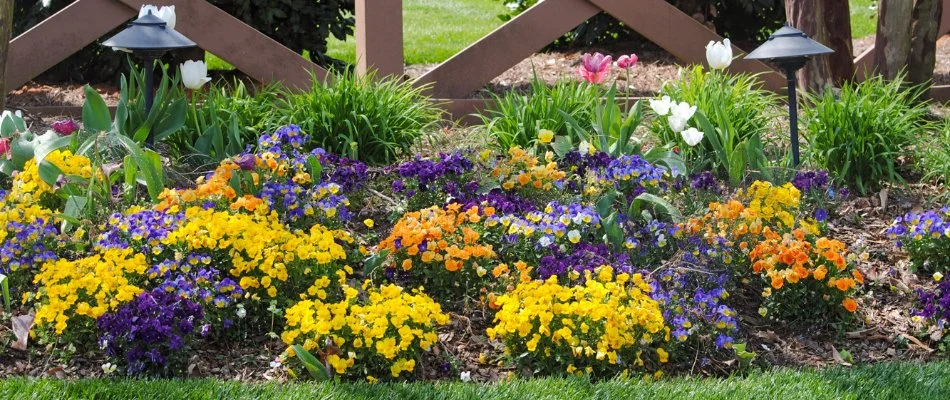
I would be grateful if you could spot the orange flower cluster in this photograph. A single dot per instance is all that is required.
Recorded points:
(216, 188)
(792, 259)
(522, 170)
(437, 236)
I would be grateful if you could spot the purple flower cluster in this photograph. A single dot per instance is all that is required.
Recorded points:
(693, 303)
(350, 174)
(194, 277)
(150, 335)
(705, 181)
(502, 202)
(27, 246)
(926, 237)
(579, 163)
(935, 305)
(284, 141)
(294, 202)
(633, 169)
(582, 257)
(424, 182)
(143, 231)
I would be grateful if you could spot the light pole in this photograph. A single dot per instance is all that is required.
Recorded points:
(149, 38)
(790, 49)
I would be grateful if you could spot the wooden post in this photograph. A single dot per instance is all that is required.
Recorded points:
(6, 28)
(827, 22)
(379, 37)
(892, 44)
(925, 27)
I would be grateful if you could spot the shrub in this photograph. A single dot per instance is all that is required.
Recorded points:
(151, 334)
(515, 119)
(381, 335)
(605, 326)
(302, 26)
(374, 121)
(859, 134)
(926, 238)
(735, 104)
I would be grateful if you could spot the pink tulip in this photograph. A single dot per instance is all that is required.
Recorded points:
(5, 148)
(595, 67)
(627, 62)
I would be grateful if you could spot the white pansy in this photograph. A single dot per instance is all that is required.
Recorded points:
(692, 136)
(662, 106)
(465, 376)
(194, 74)
(719, 54)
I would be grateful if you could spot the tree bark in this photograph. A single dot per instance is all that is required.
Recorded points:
(827, 22)
(892, 45)
(6, 30)
(923, 43)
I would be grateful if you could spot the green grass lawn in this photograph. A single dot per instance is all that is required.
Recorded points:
(434, 30)
(863, 18)
(881, 381)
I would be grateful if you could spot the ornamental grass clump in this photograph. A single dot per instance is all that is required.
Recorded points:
(860, 133)
(151, 335)
(379, 335)
(926, 238)
(607, 326)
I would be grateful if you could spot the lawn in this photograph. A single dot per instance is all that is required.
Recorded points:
(863, 18)
(881, 381)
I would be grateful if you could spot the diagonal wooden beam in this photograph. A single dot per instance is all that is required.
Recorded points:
(61, 35)
(681, 35)
(248, 50)
(501, 49)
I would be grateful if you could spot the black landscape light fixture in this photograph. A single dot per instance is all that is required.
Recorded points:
(148, 37)
(790, 49)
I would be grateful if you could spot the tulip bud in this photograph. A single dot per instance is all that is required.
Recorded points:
(719, 54)
(194, 74)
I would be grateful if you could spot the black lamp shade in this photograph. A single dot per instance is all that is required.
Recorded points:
(787, 43)
(149, 33)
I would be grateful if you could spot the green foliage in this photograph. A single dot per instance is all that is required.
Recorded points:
(166, 117)
(859, 134)
(934, 154)
(372, 120)
(223, 120)
(738, 107)
(516, 118)
(300, 25)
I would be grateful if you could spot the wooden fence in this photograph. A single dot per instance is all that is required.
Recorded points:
(379, 42)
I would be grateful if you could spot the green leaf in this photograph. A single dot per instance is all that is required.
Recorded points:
(95, 113)
(314, 366)
(49, 173)
(75, 205)
(174, 120)
(562, 145)
(149, 163)
(661, 204)
(605, 204)
(372, 263)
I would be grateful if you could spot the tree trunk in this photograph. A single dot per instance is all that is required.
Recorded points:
(892, 45)
(6, 30)
(827, 22)
(923, 43)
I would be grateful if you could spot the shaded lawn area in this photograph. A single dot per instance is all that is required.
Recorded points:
(880, 381)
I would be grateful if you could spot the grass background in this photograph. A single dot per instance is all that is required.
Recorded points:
(434, 30)
(879, 381)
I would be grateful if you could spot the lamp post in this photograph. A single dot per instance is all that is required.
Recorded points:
(148, 38)
(790, 49)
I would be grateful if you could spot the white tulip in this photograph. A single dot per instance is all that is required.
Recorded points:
(8, 113)
(677, 124)
(682, 111)
(719, 54)
(194, 74)
(662, 106)
(166, 13)
(692, 136)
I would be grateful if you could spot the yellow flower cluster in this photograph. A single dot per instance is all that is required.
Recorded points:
(521, 170)
(264, 254)
(87, 287)
(586, 328)
(767, 202)
(383, 334)
(28, 187)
